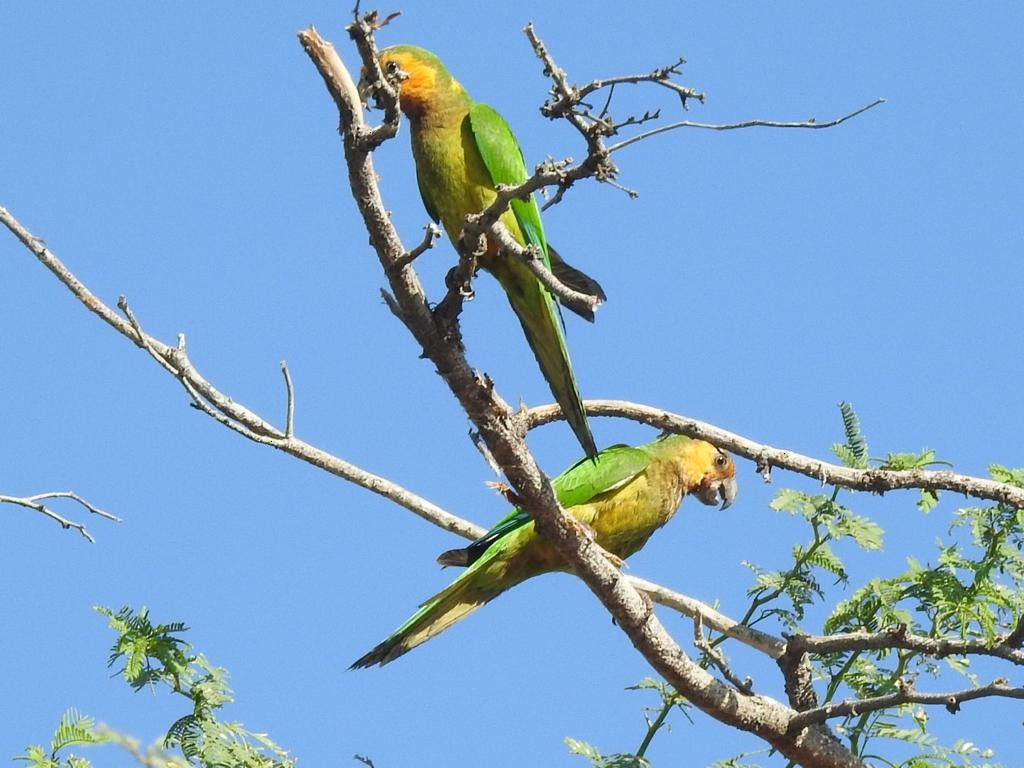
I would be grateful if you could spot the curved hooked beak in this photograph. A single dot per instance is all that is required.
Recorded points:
(728, 490)
(710, 491)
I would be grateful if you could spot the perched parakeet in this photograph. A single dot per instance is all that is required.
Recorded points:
(462, 149)
(623, 495)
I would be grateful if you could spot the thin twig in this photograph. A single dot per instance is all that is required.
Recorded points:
(364, 139)
(658, 77)
(812, 124)
(567, 98)
(34, 502)
(432, 233)
(530, 255)
(289, 418)
(717, 658)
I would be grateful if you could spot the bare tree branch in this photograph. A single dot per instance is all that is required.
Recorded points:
(798, 675)
(431, 233)
(766, 457)
(563, 174)
(695, 609)
(205, 396)
(566, 100)
(899, 637)
(906, 695)
(530, 255)
(660, 77)
(225, 409)
(744, 124)
(35, 502)
(715, 656)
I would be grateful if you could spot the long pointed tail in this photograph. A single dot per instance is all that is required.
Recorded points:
(576, 279)
(454, 602)
(539, 315)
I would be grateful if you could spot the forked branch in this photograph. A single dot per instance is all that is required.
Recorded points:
(35, 502)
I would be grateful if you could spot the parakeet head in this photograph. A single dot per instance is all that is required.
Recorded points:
(420, 75)
(717, 474)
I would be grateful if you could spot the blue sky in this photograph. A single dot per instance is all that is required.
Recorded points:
(186, 156)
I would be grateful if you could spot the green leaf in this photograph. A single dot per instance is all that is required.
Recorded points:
(791, 501)
(74, 728)
(823, 557)
(37, 757)
(854, 452)
(577, 747)
(928, 501)
(865, 533)
(1004, 475)
(903, 461)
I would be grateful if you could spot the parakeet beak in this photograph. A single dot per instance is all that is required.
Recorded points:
(711, 490)
(727, 490)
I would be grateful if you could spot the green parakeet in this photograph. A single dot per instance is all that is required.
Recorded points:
(623, 495)
(462, 149)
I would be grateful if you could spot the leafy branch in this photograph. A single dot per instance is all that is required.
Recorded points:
(155, 655)
(967, 617)
(669, 700)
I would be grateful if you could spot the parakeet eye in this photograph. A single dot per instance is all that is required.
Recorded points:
(391, 67)
(721, 460)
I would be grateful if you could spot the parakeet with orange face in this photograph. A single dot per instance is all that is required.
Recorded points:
(623, 495)
(462, 149)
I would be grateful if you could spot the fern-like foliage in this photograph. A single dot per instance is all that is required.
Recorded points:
(854, 452)
(140, 643)
(74, 729)
(656, 718)
(973, 589)
(924, 460)
(600, 760)
(155, 655)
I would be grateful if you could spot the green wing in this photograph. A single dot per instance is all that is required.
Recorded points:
(504, 162)
(579, 484)
(587, 478)
(535, 307)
